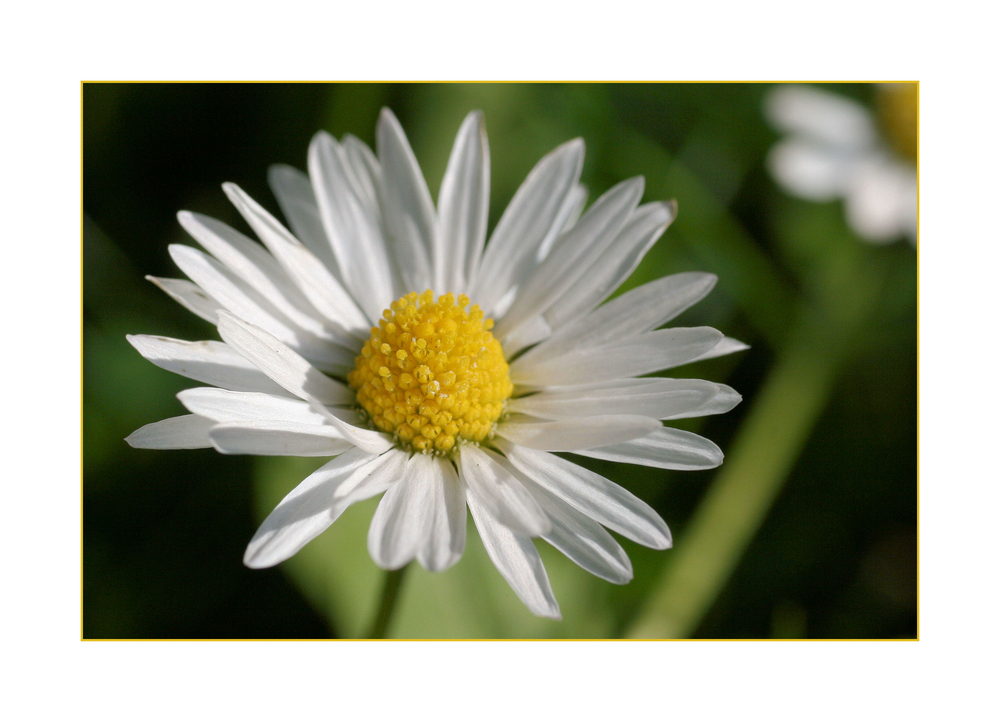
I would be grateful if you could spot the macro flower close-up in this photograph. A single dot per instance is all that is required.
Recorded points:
(441, 366)
(401, 377)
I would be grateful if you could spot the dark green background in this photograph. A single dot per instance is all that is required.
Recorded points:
(164, 531)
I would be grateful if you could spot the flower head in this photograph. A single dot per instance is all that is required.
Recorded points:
(439, 369)
(835, 148)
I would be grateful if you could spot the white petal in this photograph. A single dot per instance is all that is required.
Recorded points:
(463, 205)
(402, 523)
(366, 171)
(655, 398)
(572, 255)
(641, 309)
(234, 406)
(532, 332)
(190, 297)
(422, 515)
(653, 351)
(539, 205)
(572, 434)
(595, 496)
(305, 269)
(407, 207)
(370, 480)
(567, 217)
(810, 171)
(495, 484)
(517, 561)
(227, 290)
(249, 261)
(237, 297)
(881, 200)
(446, 541)
(582, 539)
(303, 514)
(665, 448)
(278, 438)
(280, 363)
(725, 347)
(615, 265)
(352, 229)
(725, 400)
(298, 202)
(179, 432)
(822, 116)
(209, 362)
(374, 442)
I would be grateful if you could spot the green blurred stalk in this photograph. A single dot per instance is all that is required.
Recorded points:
(763, 453)
(390, 595)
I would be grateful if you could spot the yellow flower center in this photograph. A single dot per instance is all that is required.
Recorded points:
(899, 107)
(432, 374)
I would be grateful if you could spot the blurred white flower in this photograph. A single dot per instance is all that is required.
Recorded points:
(355, 338)
(835, 148)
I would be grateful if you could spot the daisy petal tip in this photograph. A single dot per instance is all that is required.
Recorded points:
(712, 454)
(218, 448)
(658, 536)
(635, 184)
(279, 173)
(661, 542)
(264, 551)
(550, 613)
(255, 559)
(321, 144)
(388, 564)
(540, 527)
(438, 565)
(625, 576)
(141, 439)
(387, 118)
(321, 136)
(235, 194)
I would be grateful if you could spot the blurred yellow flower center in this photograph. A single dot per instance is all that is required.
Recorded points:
(899, 108)
(432, 374)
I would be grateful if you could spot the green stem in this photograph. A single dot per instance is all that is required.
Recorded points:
(763, 453)
(390, 595)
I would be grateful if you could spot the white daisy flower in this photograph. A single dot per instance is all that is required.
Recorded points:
(835, 148)
(355, 336)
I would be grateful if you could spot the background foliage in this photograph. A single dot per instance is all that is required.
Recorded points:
(820, 476)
